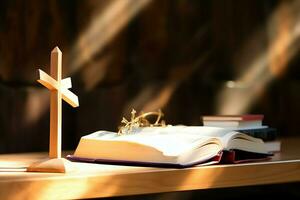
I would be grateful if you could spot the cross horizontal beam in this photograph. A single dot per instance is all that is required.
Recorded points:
(52, 84)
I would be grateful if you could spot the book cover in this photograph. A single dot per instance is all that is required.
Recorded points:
(223, 157)
(211, 161)
(266, 134)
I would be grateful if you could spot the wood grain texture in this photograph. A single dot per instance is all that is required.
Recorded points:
(96, 180)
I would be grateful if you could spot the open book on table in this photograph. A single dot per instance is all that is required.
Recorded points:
(170, 146)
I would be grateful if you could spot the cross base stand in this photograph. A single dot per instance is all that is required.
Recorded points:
(55, 165)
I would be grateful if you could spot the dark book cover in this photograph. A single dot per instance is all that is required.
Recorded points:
(223, 157)
(266, 134)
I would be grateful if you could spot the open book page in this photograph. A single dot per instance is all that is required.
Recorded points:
(227, 139)
(170, 140)
(241, 141)
(231, 139)
(190, 137)
(173, 144)
(183, 145)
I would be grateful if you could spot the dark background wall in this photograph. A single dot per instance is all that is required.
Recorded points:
(188, 57)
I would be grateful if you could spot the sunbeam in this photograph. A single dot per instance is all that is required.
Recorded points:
(237, 96)
(102, 29)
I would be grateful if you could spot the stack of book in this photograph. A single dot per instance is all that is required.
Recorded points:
(249, 124)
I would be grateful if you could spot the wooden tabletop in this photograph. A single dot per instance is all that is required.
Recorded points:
(96, 180)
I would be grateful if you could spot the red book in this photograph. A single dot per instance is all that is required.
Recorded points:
(248, 117)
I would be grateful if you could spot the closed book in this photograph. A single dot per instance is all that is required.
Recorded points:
(273, 146)
(237, 124)
(247, 117)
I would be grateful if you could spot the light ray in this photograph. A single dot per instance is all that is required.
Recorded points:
(102, 29)
(236, 97)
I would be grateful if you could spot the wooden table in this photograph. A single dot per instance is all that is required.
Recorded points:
(95, 180)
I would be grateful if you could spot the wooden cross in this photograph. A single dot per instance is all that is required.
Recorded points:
(59, 90)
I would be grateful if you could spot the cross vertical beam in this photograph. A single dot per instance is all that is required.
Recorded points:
(55, 105)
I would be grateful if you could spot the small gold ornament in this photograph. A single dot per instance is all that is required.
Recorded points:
(141, 121)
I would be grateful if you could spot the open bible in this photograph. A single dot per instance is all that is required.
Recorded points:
(170, 146)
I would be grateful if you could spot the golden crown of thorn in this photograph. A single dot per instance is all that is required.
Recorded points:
(141, 121)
